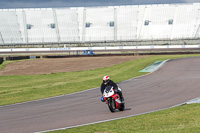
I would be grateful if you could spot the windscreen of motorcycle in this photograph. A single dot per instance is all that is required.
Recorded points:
(108, 91)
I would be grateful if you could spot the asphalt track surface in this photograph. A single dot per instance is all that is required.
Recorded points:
(176, 82)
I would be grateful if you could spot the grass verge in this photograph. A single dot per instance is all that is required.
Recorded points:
(15, 89)
(182, 119)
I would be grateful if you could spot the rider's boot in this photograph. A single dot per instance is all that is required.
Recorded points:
(121, 96)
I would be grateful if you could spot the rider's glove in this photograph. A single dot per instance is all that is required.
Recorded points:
(116, 91)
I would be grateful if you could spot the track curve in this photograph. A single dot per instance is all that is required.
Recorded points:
(176, 82)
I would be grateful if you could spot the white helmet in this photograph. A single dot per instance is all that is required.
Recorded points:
(106, 79)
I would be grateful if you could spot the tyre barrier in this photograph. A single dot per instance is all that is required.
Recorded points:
(10, 58)
(1, 60)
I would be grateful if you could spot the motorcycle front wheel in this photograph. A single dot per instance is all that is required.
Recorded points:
(112, 105)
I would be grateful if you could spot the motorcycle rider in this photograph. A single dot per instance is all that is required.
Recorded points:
(107, 81)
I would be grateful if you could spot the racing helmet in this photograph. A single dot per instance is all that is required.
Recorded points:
(106, 79)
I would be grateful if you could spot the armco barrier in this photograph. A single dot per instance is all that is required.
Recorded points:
(140, 47)
(1, 60)
(96, 55)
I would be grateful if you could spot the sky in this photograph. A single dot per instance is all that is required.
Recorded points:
(10, 4)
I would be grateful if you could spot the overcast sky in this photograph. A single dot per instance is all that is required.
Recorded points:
(4, 4)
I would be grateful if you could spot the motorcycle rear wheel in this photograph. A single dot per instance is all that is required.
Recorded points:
(122, 107)
(112, 105)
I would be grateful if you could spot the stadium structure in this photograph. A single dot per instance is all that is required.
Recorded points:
(123, 25)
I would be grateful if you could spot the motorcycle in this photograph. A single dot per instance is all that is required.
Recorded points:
(113, 99)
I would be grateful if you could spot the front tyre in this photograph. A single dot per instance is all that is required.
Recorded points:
(112, 105)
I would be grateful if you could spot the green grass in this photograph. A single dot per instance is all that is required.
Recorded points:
(182, 119)
(15, 89)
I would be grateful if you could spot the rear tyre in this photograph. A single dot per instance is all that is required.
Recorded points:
(122, 107)
(111, 105)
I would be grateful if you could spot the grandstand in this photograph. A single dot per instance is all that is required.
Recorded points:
(136, 24)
